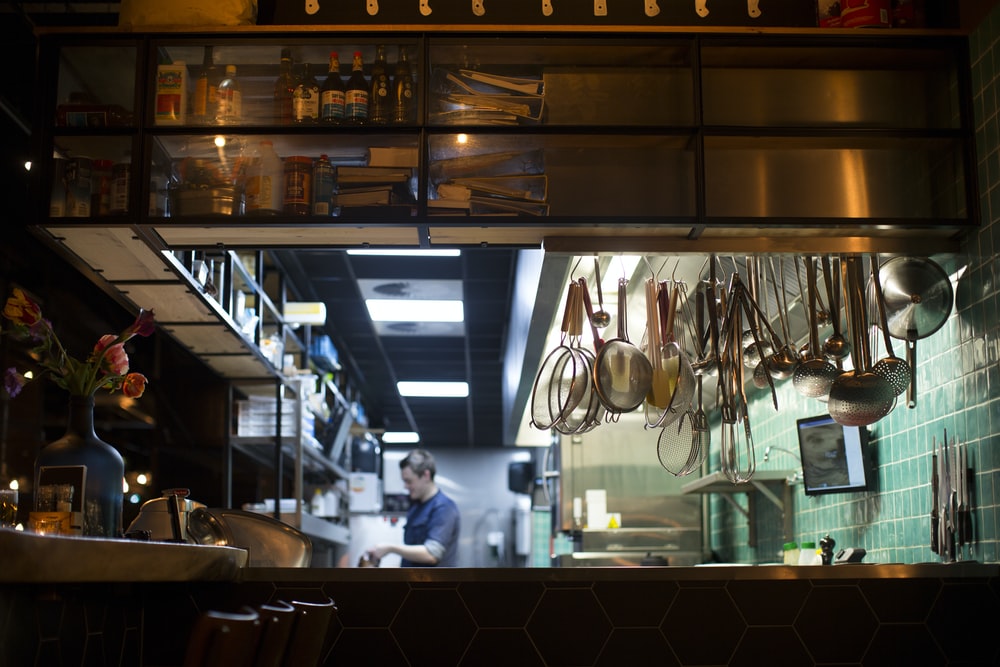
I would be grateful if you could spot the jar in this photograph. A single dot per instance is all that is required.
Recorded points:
(808, 554)
(791, 553)
(298, 182)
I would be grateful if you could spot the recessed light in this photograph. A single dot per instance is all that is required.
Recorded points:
(415, 310)
(400, 437)
(406, 253)
(433, 389)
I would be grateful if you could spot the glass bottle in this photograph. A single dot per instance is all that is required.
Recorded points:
(331, 97)
(284, 88)
(229, 101)
(305, 99)
(356, 94)
(205, 88)
(379, 102)
(402, 86)
(265, 182)
(323, 184)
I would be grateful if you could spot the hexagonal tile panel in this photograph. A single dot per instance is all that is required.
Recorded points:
(900, 600)
(904, 644)
(569, 627)
(433, 627)
(836, 624)
(366, 604)
(635, 603)
(963, 614)
(703, 626)
(636, 646)
(501, 648)
(500, 604)
(758, 647)
(358, 646)
(769, 602)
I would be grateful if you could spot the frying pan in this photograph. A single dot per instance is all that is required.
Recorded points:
(918, 300)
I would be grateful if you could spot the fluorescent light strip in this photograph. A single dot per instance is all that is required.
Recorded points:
(406, 253)
(400, 437)
(415, 310)
(433, 389)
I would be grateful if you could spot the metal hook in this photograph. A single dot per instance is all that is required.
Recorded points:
(576, 266)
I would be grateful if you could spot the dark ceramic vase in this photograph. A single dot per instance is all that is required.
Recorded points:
(81, 458)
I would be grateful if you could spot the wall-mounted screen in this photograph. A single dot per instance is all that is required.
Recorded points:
(834, 457)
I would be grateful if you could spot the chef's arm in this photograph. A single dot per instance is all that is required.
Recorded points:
(418, 553)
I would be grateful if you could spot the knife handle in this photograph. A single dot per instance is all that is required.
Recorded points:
(934, 532)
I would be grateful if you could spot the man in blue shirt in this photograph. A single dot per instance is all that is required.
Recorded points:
(430, 536)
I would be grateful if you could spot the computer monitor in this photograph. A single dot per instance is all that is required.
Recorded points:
(834, 457)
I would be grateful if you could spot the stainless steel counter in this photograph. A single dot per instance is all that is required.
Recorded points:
(30, 558)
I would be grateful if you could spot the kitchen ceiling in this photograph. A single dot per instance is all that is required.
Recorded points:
(378, 355)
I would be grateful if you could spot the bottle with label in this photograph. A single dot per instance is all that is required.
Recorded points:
(265, 182)
(402, 87)
(298, 185)
(380, 103)
(317, 507)
(284, 88)
(331, 97)
(204, 89)
(322, 186)
(356, 94)
(120, 184)
(228, 100)
(305, 99)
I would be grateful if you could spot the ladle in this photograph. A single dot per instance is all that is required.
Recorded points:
(599, 318)
(858, 397)
(782, 363)
(836, 345)
(815, 374)
(894, 370)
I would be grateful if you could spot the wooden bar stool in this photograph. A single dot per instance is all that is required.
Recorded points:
(223, 638)
(277, 620)
(312, 620)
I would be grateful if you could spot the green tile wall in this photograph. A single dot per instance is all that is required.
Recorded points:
(958, 389)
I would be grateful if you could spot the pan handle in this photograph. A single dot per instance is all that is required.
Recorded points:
(911, 359)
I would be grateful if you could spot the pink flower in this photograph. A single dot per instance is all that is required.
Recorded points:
(143, 325)
(115, 359)
(134, 385)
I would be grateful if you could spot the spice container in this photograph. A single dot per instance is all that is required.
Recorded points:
(791, 553)
(298, 182)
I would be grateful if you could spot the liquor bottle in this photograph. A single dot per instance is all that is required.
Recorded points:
(331, 97)
(402, 86)
(305, 99)
(204, 89)
(356, 94)
(379, 102)
(284, 88)
(228, 100)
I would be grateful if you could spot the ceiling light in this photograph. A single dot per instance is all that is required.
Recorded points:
(434, 389)
(400, 437)
(415, 310)
(406, 253)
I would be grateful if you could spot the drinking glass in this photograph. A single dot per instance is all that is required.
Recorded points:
(8, 508)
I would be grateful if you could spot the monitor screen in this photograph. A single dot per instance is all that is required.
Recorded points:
(834, 457)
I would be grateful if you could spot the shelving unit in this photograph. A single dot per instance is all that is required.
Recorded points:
(767, 483)
(682, 143)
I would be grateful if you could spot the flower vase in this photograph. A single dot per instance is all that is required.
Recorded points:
(91, 466)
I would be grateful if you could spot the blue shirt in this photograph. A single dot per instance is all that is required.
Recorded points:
(435, 524)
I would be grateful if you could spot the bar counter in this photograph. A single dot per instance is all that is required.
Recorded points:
(730, 614)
